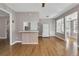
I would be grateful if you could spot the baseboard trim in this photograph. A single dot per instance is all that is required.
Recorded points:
(40, 35)
(47, 36)
(60, 38)
(3, 37)
(16, 42)
(22, 42)
(29, 43)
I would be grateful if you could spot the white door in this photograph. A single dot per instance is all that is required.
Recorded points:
(46, 30)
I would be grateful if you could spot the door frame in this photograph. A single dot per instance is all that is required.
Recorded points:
(10, 28)
(48, 28)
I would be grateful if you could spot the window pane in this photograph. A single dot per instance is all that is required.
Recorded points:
(60, 25)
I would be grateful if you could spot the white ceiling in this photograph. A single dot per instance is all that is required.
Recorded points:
(50, 9)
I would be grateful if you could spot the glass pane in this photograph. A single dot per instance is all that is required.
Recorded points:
(71, 34)
(60, 25)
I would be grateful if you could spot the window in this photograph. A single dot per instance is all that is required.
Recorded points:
(75, 26)
(71, 25)
(34, 26)
(60, 25)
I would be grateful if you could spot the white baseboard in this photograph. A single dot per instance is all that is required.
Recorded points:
(48, 36)
(16, 42)
(30, 43)
(23, 43)
(40, 35)
(60, 38)
(3, 37)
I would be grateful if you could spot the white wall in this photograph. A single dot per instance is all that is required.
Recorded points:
(52, 28)
(51, 22)
(24, 17)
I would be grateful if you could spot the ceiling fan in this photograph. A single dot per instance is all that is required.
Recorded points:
(43, 4)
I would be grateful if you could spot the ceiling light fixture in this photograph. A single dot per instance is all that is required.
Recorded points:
(43, 4)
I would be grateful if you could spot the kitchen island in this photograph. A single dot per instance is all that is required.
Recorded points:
(29, 37)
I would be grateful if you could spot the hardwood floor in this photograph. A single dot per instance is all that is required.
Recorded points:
(46, 47)
(3, 43)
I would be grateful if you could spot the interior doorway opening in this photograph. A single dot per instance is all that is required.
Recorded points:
(4, 29)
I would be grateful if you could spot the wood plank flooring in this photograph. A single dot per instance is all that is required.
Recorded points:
(46, 47)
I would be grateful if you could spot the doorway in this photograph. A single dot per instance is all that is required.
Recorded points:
(4, 29)
(46, 30)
